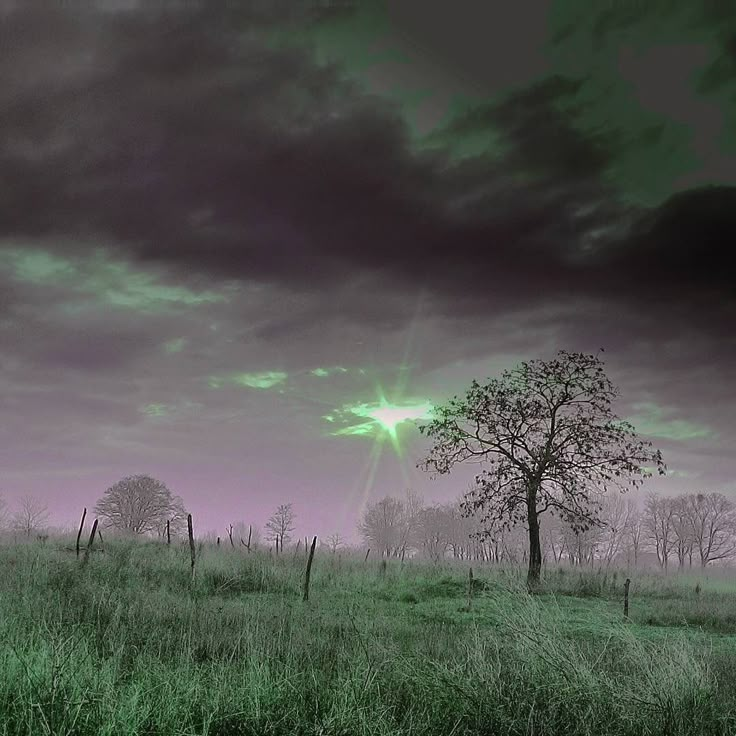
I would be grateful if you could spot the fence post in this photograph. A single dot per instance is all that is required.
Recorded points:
(81, 526)
(168, 531)
(191, 542)
(626, 597)
(89, 544)
(366, 555)
(309, 569)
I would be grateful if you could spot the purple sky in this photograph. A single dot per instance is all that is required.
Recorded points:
(224, 233)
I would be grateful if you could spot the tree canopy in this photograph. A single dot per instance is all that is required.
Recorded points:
(140, 504)
(547, 439)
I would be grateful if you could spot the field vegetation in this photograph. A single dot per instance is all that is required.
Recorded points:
(130, 644)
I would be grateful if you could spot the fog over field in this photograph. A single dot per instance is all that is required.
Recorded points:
(245, 247)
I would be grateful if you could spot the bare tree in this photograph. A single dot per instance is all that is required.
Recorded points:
(713, 520)
(333, 542)
(682, 530)
(382, 525)
(658, 527)
(435, 528)
(549, 441)
(280, 525)
(634, 531)
(615, 517)
(140, 504)
(31, 515)
(411, 521)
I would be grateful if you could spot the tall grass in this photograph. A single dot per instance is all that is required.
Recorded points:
(128, 645)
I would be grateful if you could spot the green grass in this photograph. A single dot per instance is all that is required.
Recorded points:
(128, 645)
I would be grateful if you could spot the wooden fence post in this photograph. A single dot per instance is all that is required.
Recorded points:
(366, 555)
(191, 542)
(89, 544)
(626, 597)
(168, 531)
(309, 570)
(81, 526)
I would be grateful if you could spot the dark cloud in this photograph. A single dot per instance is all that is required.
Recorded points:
(191, 140)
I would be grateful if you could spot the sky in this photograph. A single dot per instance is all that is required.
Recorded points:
(246, 245)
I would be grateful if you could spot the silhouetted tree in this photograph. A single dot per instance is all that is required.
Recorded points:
(549, 440)
(140, 504)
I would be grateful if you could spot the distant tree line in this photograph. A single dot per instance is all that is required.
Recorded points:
(694, 529)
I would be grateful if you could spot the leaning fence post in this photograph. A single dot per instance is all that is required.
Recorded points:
(470, 588)
(365, 559)
(81, 526)
(626, 597)
(191, 542)
(309, 569)
(89, 544)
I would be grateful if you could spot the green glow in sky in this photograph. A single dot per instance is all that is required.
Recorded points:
(105, 279)
(155, 410)
(324, 372)
(383, 418)
(656, 421)
(265, 379)
(176, 345)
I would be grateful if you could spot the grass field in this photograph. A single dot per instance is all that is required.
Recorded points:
(128, 645)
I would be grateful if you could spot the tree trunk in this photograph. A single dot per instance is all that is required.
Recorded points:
(535, 548)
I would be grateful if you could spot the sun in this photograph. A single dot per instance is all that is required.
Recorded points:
(383, 418)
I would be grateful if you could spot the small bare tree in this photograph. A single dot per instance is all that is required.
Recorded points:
(280, 525)
(333, 542)
(31, 515)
